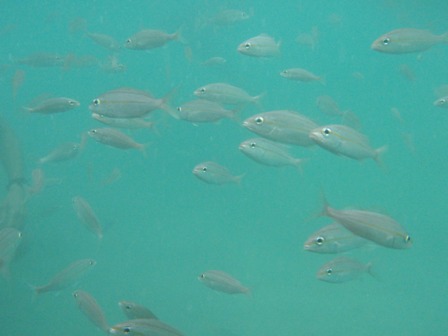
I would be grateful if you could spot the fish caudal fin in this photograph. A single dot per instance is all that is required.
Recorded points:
(445, 38)
(379, 155)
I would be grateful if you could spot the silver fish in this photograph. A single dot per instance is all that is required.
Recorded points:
(213, 173)
(126, 103)
(112, 65)
(214, 61)
(226, 94)
(222, 282)
(301, 75)
(284, 126)
(202, 110)
(441, 102)
(86, 214)
(10, 239)
(228, 17)
(63, 152)
(144, 327)
(345, 141)
(407, 40)
(53, 105)
(128, 123)
(262, 45)
(67, 276)
(42, 60)
(378, 228)
(333, 238)
(105, 41)
(343, 269)
(115, 138)
(149, 39)
(135, 311)
(91, 309)
(269, 153)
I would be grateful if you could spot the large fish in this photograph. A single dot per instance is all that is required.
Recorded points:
(262, 45)
(91, 309)
(86, 214)
(224, 93)
(115, 138)
(213, 173)
(149, 39)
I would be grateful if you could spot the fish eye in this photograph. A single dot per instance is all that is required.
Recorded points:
(247, 45)
(329, 271)
(127, 330)
(128, 41)
(253, 145)
(202, 276)
(386, 41)
(202, 90)
(320, 240)
(179, 109)
(259, 120)
(326, 131)
(204, 169)
(442, 101)
(128, 307)
(71, 102)
(93, 131)
(407, 239)
(285, 72)
(96, 101)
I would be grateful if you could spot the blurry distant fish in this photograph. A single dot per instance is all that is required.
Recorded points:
(441, 102)
(406, 71)
(17, 82)
(262, 45)
(228, 17)
(79, 61)
(129, 123)
(222, 282)
(269, 153)
(373, 226)
(213, 61)
(63, 152)
(135, 311)
(86, 214)
(149, 39)
(226, 94)
(407, 40)
(144, 327)
(112, 177)
(91, 309)
(112, 65)
(284, 126)
(67, 276)
(105, 41)
(52, 105)
(77, 25)
(10, 239)
(43, 59)
(202, 110)
(309, 39)
(115, 138)
(301, 75)
(213, 173)
(326, 104)
(343, 269)
(333, 238)
(345, 141)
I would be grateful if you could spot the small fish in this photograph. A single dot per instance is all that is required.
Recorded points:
(63, 152)
(269, 153)
(86, 214)
(105, 41)
(228, 17)
(53, 105)
(301, 75)
(214, 61)
(441, 102)
(222, 282)
(407, 40)
(345, 141)
(115, 138)
(284, 126)
(10, 239)
(378, 228)
(112, 65)
(202, 110)
(67, 276)
(144, 327)
(17, 82)
(343, 269)
(213, 173)
(128, 123)
(309, 39)
(91, 309)
(262, 45)
(333, 238)
(135, 311)
(42, 60)
(226, 94)
(328, 105)
(149, 39)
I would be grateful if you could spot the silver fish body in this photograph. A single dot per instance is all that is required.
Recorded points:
(128, 123)
(144, 327)
(135, 311)
(222, 282)
(228, 17)
(10, 239)
(86, 214)
(441, 102)
(149, 39)
(114, 138)
(63, 152)
(262, 45)
(283, 126)
(42, 60)
(301, 75)
(53, 105)
(213, 173)
(105, 41)
(91, 309)
(342, 269)
(224, 93)
(202, 110)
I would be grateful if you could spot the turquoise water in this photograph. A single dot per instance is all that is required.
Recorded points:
(164, 227)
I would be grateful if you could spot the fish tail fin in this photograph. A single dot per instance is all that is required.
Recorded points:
(165, 103)
(298, 163)
(144, 149)
(248, 292)
(257, 99)
(324, 210)
(445, 38)
(178, 35)
(371, 270)
(239, 178)
(323, 80)
(379, 155)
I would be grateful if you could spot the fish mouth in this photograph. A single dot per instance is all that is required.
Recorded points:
(314, 135)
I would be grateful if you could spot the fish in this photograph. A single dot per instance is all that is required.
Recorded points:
(309, 39)
(407, 40)
(115, 138)
(283, 126)
(222, 282)
(214, 61)
(301, 75)
(53, 105)
(213, 173)
(144, 327)
(135, 311)
(269, 153)
(91, 309)
(105, 41)
(224, 93)
(42, 60)
(147, 39)
(333, 238)
(112, 65)
(343, 269)
(441, 102)
(67, 277)
(127, 103)
(86, 214)
(128, 123)
(376, 227)
(17, 82)
(10, 239)
(202, 110)
(345, 141)
(328, 105)
(262, 45)
(228, 17)
(63, 152)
